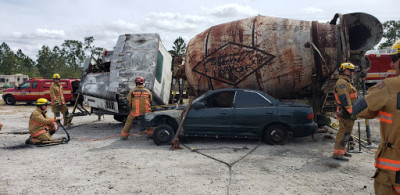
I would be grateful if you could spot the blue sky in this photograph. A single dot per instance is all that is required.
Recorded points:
(29, 24)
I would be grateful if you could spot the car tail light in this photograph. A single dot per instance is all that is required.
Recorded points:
(310, 116)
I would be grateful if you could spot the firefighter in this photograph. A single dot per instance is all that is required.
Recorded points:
(57, 99)
(345, 95)
(41, 127)
(139, 101)
(383, 101)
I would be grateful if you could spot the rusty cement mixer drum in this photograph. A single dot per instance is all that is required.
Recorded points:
(276, 55)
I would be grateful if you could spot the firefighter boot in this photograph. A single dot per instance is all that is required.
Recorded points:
(347, 155)
(340, 157)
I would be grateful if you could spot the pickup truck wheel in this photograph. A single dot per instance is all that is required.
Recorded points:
(276, 135)
(163, 135)
(9, 99)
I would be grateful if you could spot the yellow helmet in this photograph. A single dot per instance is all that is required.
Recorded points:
(56, 76)
(395, 48)
(41, 101)
(346, 65)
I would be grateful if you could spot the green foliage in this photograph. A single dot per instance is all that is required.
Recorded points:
(179, 48)
(93, 51)
(391, 31)
(67, 59)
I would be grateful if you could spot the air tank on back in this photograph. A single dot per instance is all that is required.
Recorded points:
(276, 55)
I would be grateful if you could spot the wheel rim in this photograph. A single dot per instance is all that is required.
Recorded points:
(9, 100)
(163, 135)
(277, 135)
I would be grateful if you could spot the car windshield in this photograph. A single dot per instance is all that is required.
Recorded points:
(200, 97)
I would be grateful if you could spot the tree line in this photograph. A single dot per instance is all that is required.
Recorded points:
(66, 59)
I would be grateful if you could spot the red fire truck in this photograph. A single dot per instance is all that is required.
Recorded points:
(34, 89)
(380, 68)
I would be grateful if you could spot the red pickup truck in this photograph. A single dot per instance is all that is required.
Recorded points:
(34, 89)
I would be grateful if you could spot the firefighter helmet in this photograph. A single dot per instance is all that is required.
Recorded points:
(395, 48)
(41, 101)
(346, 65)
(139, 80)
(56, 76)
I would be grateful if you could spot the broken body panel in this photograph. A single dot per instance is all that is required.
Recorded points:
(105, 83)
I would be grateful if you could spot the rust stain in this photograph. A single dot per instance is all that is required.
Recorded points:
(264, 53)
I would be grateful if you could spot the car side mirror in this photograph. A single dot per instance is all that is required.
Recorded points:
(199, 105)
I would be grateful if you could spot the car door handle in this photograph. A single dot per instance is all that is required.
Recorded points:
(224, 113)
(270, 112)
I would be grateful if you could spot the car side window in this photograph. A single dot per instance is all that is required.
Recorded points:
(220, 100)
(34, 85)
(26, 85)
(247, 99)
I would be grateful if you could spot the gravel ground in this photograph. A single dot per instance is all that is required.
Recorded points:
(137, 166)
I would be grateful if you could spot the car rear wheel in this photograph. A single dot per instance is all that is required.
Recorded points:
(9, 99)
(163, 135)
(276, 135)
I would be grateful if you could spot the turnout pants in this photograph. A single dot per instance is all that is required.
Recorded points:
(384, 184)
(343, 136)
(127, 128)
(43, 137)
(64, 110)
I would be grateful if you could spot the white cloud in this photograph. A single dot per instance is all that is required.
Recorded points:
(40, 33)
(233, 10)
(194, 18)
(171, 22)
(312, 10)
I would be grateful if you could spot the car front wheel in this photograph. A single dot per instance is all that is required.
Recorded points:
(163, 135)
(9, 99)
(276, 135)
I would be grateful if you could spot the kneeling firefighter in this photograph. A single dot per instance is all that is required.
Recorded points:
(41, 127)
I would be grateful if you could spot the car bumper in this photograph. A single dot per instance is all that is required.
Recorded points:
(302, 130)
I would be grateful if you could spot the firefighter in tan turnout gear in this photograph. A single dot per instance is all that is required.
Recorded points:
(345, 95)
(57, 99)
(139, 101)
(41, 127)
(383, 101)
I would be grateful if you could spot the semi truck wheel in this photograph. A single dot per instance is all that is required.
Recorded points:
(120, 118)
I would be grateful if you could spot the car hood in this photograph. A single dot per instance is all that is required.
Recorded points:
(8, 90)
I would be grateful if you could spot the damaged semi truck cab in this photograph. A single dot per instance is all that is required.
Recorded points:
(106, 82)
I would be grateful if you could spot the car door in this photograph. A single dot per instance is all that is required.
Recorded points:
(213, 118)
(26, 91)
(251, 113)
(34, 91)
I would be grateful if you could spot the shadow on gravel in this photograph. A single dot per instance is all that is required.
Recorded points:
(17, 147)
